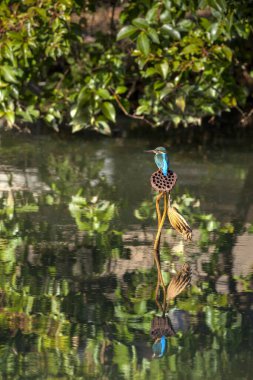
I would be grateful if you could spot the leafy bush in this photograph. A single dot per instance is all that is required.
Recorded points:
(169, 62)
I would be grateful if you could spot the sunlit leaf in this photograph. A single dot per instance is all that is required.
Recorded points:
(228, 53)
(180, 102)
(191, 49)
(170, 31)
(143, 43)
(109, 111)
(8, 73)
(152, 13)
(77, 127)
(126, 32)
(103, 93)
(10, 117)
(121, 90)
(153, 35)
(140, 23)
(164, 66)
(104, 127)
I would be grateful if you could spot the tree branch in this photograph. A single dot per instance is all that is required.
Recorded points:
(127, 113)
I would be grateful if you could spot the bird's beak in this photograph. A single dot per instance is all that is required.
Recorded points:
(149, 151)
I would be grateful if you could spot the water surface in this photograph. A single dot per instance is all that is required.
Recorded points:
(77, 275)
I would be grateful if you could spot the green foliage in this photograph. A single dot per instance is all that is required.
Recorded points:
(93, 216)
(48, 70)
(187, 58)
(190, 62)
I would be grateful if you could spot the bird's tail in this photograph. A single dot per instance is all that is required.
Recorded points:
(179, 282)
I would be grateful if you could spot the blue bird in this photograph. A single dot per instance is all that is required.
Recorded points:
(159, 347)
(161, 159)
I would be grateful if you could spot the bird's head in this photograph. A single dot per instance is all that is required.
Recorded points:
(157, 150)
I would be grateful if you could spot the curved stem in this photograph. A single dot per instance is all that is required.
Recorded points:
(158, 234)
(158, 267)
(160, 281)
(157, 245)
(159, 196)
(156, 294)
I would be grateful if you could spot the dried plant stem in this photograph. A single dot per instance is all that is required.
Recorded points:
(157, 294)
(158, 234)
(179, 282)
(159, 196)
(160, 282)
(161, 221)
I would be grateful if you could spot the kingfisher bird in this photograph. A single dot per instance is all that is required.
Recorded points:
(159, 347)
(161, 159)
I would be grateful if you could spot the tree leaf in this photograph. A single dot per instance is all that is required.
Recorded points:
(190, 49)
(180, 102)
(176, 120)
(227, 52)
(10, 117)
(121, 89)
(143, 43)
(8, 73)
(104, 128)
(166, 90)
(153, 35)
(185, 25)
(142, 109)
(41, 12)
(109, 111)
(103, 93)
(2, 95)
(219, 5)
(197, 66)
(168, 30)
(126, 32)
(77, 127)
(165, 16)
(3, 84)
(152, 13)
(150, 72)
(140, 23)
(214, 31)
(164, 68)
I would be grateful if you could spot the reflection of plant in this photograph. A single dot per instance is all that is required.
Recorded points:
(93, 216)
(65, 173)
(80, 335)
(145, 211)
(64, 314)
(246, 282)
(189, 206)
(250, 229)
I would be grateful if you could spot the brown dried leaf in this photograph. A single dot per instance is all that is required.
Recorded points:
(179, 282)
(179, 223)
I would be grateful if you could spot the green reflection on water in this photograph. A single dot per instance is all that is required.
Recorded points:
(77, 280)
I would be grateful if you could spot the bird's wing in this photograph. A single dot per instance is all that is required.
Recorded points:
(165, 165)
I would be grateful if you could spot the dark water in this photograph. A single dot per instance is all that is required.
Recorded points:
(77, 275)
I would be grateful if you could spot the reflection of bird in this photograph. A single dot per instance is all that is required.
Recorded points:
(159, 347)
(161, 159)
(162, 327)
